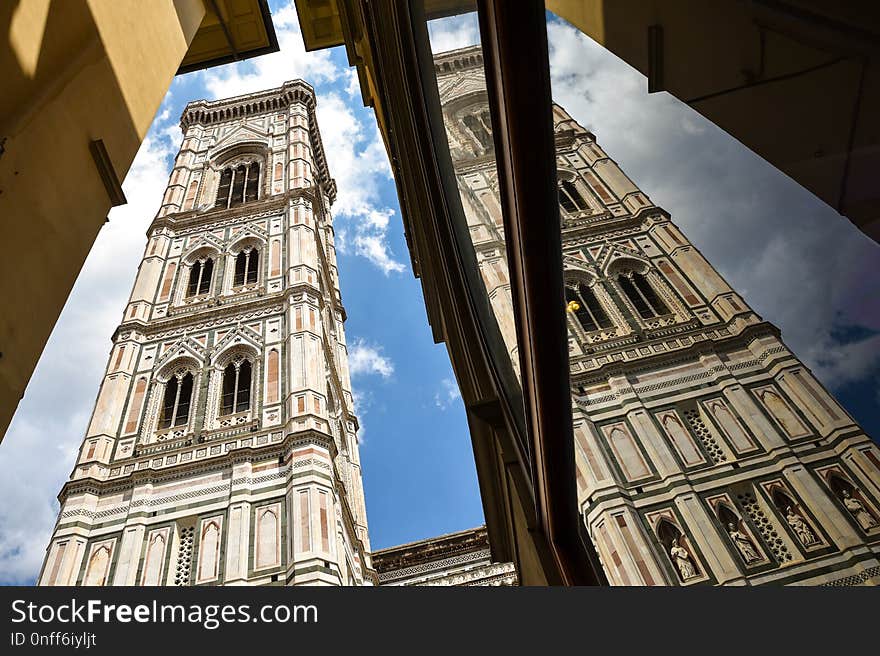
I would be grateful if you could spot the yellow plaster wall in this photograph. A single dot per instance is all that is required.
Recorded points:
(73, 71)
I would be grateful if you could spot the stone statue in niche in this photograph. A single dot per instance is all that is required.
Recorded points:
(682, 560)
(863, 517)
(743, 544)
(800, 527)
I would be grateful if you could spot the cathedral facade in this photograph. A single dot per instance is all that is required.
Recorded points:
(707, 453)
(223, 448)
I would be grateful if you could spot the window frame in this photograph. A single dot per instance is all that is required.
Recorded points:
(568, 189)
(626, 280)
(179, 380)
(575, 287)
(236, 388)
(251, 266)
(202, 280)
(249, 183)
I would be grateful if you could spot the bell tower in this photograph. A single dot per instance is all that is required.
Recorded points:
(222, 449)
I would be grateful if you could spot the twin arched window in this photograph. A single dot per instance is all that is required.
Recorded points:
(586, 308)
(176, 403)
(643, 297)
(570, 198)
(246, 272)
(236, 395)
(246, 266)
(239, 184)
(200, 277)
(582, 302)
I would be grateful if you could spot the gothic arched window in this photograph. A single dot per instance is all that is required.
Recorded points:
(239, 184)
(480, 126)
(570, 198)
(176, 403)
(640, 293)
(246, 267)
(236, 388)
(586, 308)
(200, 277)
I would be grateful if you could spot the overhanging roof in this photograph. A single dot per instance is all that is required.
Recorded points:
(232, 30)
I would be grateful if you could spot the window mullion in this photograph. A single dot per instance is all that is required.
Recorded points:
(231, 187)
(176, 402)
(645, 299)
(235, 392)
(591, 313)
(586, 307)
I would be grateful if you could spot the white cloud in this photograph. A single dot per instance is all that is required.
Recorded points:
(41, 444)
(447, 394)
(353, 85)
(357, 160)
(838, 364)
(366, 359)
(372, 243)
(272, 70)
(771, 239)
(454, 32)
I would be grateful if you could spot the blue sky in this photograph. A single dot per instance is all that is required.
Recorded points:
(799, 264)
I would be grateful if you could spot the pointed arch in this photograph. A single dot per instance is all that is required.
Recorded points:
(183, 360)
(272, 376)
(166, 283)
(137, 403)
(154, 560)
(98, 567)
(726, 515)
(839, 484)
(191, 195)
(247, 238)
(782, 499)
(209, 548)
(668, 533)
(618, 262)
(267, 537)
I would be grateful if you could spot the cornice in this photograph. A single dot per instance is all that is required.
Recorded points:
(668, 358)
(472, 541)
(456, 61)
(212, 112)
(274, 302)
(181, 470)
(154, 327)
(179, 221)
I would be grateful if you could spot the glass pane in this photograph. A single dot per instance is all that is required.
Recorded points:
(462, 129)
(223, 190)
(207, 272)
(239, 269)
